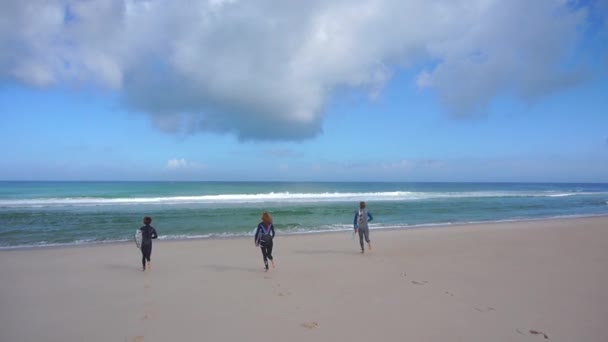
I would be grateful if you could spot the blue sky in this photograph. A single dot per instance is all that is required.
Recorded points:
(466, 99)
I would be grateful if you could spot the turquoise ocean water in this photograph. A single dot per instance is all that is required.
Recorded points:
(66, 213)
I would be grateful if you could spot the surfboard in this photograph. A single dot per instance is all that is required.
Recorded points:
(138, 238)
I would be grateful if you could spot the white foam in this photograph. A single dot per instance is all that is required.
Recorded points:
(281, 197)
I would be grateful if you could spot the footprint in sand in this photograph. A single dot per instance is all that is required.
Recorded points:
(449, 293)
(424, 282)
(489, 308)
(403, 274)
(310, 325)
(148, 316)
(279, 293)
(536, 332)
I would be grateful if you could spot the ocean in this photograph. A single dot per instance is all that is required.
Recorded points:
(71, 213)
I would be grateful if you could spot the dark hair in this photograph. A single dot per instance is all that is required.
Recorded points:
(147, 220)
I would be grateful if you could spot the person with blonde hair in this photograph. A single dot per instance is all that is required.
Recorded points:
(263, 237)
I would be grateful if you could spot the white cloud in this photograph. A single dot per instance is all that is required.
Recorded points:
(181, 163)
(176, 163)
(265, 70)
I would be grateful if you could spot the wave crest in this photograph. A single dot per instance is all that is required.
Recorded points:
(281, 197)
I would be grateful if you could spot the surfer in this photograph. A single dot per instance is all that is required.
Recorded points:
(147, 234)
(263, 237)
(360, 224)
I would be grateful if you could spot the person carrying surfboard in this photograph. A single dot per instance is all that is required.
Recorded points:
(263, 237)
(147, 234)
(360, 224)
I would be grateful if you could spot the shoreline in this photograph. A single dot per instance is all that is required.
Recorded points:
(243, 236)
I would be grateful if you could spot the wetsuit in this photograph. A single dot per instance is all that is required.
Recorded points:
(263, 237)
(147, 234)
(362, 217)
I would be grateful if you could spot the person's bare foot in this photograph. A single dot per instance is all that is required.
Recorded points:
(273, 265)
(369, 246)
(149, 265)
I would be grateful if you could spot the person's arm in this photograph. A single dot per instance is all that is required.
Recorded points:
(272, 230)
(255, 236)
(355, 221)
(369, 216)
(154, 235)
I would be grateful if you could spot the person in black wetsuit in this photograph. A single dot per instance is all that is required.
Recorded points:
(147, 234)
(263, 237)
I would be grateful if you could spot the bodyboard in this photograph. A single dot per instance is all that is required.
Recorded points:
(138, 238)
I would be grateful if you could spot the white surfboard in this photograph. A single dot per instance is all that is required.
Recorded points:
(138, 238)
(255, 230)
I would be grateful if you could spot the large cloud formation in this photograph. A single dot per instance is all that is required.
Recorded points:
(242, 66)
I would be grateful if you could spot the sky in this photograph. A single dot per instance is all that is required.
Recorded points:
(333, 90)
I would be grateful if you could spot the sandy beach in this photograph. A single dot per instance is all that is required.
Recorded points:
(514, 281)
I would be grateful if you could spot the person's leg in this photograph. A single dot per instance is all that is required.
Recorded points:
(146, 250)
(369, 245)
(269, 254)
(143, 258)
(361, 239)
(265, 256)
(149, 256)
